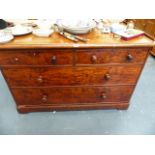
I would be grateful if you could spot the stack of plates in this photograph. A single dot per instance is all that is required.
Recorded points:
(77, 26)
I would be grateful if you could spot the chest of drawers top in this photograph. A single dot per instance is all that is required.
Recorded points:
(96, 39)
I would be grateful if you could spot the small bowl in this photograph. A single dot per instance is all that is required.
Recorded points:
(43, 32)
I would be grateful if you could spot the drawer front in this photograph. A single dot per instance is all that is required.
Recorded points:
(36, 57)
(17, 57)
(105, 56)
(67, 95)
(50, 76)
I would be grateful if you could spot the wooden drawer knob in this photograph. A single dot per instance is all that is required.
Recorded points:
(129, 57)
(107, 76)
(54, 60)
(40, 79)
(16, 59)
(34, 53)
(44, 98)
(94, 59)
(103, 96)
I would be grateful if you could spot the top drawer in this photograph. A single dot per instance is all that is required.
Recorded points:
(104, 56)
(36, 57)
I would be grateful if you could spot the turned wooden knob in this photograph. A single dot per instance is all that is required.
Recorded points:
(103, 96)
(40, 79)
(129, 57)
(94, 59)
(107, 76)
(34, 53)
(16, 59)
(44, 98)
(54, 60)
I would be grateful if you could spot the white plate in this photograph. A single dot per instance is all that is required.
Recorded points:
(6, 39)
(20, 32)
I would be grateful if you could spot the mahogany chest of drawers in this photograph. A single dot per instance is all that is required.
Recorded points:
(65, 79)
(46, 74)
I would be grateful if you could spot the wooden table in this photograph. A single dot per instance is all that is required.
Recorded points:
(55, 73)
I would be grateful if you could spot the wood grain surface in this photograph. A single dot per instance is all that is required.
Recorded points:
(48, 77)
(55, 73)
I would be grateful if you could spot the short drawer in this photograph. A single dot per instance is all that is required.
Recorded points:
(50, 76)
(72, 95)
(109, 56)
(36, 57)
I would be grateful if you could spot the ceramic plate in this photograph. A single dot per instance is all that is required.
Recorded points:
(20, 32)
(6, 39)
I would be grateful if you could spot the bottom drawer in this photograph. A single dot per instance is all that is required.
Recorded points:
(71, 95)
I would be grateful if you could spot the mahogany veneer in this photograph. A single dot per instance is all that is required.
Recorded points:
(105, 56)
(72, 95)
(36, 57)
(56, 74)
(45, 77)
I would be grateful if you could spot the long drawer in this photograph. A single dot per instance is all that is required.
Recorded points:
(105, 56)
(36, 57)
(72, 95)
(49, 76)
